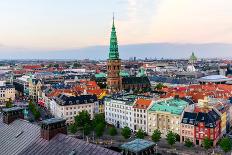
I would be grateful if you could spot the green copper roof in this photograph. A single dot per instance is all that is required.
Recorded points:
(141, 72)
(113, 53)
(100, 75)
(173, 106)
(193, 57)
(124, 73)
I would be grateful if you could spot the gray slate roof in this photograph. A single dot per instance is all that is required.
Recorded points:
(23, 138)
(65, 145)
(17, 136)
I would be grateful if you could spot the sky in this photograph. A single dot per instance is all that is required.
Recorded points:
(67, 24)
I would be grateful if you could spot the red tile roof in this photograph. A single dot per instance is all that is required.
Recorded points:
(142, 103)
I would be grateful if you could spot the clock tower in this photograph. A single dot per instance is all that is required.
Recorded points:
(114, 80)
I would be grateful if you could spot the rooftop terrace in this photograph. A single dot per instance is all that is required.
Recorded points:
(173, 106)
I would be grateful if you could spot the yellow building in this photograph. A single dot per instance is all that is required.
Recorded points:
(165, 115)
(35, 89)
(7, 92)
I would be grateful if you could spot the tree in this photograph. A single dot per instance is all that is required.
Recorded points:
(98, 118)
(36, 114)
(99, 129)
(156, 135)
(207, 143)
(140, 134)
(159, 86)
(33, 109)
(171, 138)
(86, 129)
(126, 132)
(72, 128)
(9, 103)
(188, 143)
(82, 118)
(113, 131)
(56, 65)
(225, 144)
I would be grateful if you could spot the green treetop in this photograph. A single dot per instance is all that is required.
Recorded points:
(113, 53)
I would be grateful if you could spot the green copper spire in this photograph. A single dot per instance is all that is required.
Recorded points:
(113, 53)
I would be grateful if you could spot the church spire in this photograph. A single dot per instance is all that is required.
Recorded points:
(113, 51)
(113, 21)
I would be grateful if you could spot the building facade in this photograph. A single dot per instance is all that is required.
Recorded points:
(140, 114)
(35, 87)
(68, 107)
(166, 115)
(118, 110)
(7, 92)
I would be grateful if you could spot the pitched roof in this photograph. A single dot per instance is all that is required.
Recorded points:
(189, 118)
(23, 138)
(63, 99)
(17, 136)
(142, 103)
(135, 80)
(65, 145)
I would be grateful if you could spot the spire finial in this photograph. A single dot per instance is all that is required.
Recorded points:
(113, 18)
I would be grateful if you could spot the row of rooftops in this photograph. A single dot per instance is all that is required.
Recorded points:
(197, 92)
(172, 105)
(209, 118)
(64, 99)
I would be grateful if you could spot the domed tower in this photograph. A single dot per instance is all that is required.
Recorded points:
(114, 81)
(193, 59)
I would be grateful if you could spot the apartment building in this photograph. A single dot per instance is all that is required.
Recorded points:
(119, 110)
(35, 86)
(7, 92)
(166, 115)
(140, 114)
(67, 107)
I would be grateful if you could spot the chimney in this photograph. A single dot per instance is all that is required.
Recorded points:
(176, 97)
(51, 127)
(11, 114)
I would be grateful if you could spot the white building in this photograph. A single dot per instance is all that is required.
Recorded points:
(140, 114)
(68, 107)
(118, 110)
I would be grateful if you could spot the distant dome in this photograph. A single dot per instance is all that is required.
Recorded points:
(193, 58)
(190, 68)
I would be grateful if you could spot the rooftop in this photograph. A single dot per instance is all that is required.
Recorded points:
(23, 138)
(11, 109)
(173, 106)
(214, 78)
(64, 99)
(142, 103)
(137, 145)
(52, 121)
